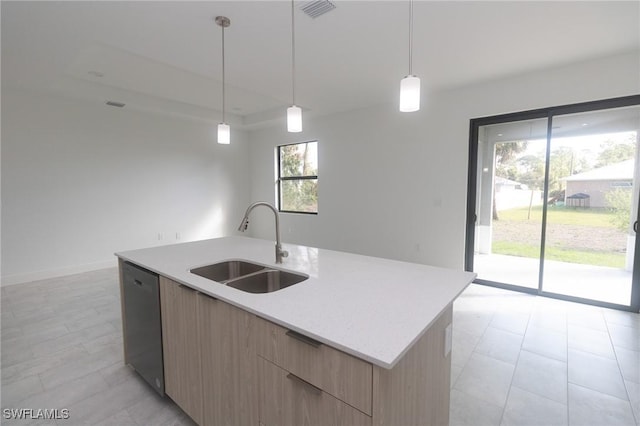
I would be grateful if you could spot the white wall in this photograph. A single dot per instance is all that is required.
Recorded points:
(82, 180)
(395, 185)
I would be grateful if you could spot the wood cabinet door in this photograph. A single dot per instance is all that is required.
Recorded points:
(228, 364)
(344, 376)
(181, 347)
(286, 400)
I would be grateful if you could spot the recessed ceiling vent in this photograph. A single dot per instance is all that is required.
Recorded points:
(317, 7)
(115, 104)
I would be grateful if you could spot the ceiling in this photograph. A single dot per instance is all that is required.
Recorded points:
(597, 122)
(165, 57)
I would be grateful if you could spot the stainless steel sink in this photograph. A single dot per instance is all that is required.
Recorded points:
(227, 270)
(266, 281)
(248, 276)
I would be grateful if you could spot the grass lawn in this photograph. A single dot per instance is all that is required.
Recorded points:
(614, 260)
(562, 216)
(585, 236)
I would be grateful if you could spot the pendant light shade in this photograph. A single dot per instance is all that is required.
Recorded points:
(410, 94)
(294, 119)
(224, 131)
(224, 134)
(410, 85)
(294, 113)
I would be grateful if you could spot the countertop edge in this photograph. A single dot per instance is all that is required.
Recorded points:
(385, 363)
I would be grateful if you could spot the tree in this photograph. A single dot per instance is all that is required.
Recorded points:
(619, 201)
(562, 163)
(613, 152)
(533, 174)
(290, 160)
(505, 158)
(295, 161)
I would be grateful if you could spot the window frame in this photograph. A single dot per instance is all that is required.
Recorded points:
(548, 113)
(280, 178)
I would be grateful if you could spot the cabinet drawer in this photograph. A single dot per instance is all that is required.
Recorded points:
(335, 372)
(286, 400)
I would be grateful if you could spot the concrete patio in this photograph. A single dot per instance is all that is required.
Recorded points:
(600, 283)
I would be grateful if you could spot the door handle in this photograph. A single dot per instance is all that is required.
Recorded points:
(635, 226)
(303, 338)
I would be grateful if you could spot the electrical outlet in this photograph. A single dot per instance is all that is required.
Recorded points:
(177, 236)
(160, 236)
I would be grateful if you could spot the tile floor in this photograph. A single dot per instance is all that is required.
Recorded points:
(517, 359)
(525, 360)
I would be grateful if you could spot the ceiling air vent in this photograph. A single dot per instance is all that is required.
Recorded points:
(317, 7)
(115, 104)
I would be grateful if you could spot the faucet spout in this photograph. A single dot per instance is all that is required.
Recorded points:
(245, 224)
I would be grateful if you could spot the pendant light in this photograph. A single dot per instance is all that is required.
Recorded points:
(224, 131)
(294, 113)
(410, 85)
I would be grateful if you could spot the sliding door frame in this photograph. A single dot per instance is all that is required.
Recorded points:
(547, 113)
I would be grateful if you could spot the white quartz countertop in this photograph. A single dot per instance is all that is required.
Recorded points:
(372, 308)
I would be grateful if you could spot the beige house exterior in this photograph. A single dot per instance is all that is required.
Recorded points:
(596, 183)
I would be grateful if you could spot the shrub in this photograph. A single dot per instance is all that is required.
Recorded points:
(619, 202)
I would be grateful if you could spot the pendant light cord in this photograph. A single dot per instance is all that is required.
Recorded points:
(293, 55)
(223, 89)
(410, 37)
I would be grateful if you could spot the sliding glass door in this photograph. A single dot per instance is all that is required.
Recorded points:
(553, 202)
(590, 242)
(511, 160)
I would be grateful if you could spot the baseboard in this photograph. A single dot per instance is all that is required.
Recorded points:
(55, 273)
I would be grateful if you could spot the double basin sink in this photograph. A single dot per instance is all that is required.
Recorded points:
(248, 276)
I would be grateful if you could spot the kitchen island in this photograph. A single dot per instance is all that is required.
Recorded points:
(363, 340)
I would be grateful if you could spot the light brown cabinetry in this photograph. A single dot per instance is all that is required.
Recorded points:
(337, 373)
(416, 390)
(286, 400)
(225, 366)
(306, 383)
(181, 347)
(209, 357)
(228, 359)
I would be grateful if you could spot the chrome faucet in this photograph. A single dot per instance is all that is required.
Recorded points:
(245, 224)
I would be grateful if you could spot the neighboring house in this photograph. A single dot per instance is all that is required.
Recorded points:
(504, 184)
(511, 194)
(596, 183)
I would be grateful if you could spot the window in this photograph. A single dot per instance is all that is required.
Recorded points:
(298, 177)
(622, 184)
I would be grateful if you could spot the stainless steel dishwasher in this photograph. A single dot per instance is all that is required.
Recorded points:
(142, 324)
